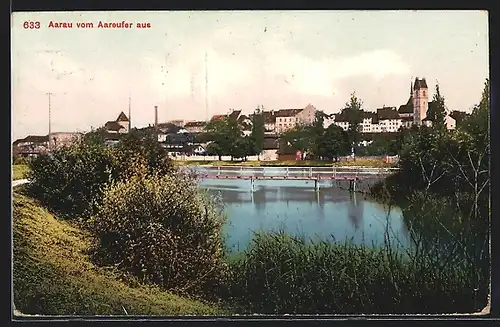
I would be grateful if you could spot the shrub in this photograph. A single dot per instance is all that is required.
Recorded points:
(162, 230)
(71, 180)
(136, 148)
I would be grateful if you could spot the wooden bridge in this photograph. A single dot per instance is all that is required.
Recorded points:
(316, 174)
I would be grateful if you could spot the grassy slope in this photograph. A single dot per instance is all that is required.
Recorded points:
(19, 171)
(53, 275)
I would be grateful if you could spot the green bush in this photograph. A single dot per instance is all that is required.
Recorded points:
(162, 230)
(71, 180)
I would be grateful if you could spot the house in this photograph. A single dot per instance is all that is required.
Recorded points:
(217, 117)
(168, 128)
(388, 120)
(270, 148)
(234, 114)
(246, 124)
(269, 122)
(286, 151)
(288, 118)
(31, 145)
(449, 121)
(195, 126)
(120, 125)
(61, 139)
(385, 119)
(279, 121)
(177, 122)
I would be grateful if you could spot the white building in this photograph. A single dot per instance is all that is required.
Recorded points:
(384, 120)
(287, 119)
(120, 125)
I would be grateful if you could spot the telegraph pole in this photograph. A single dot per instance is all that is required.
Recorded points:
(206, 86)
(50, 130)
(129, 113)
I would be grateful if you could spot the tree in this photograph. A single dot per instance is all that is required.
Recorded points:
(221, 135)
(437, 111)
(258, 130)
(334, 143)
(317, 135)
(354, 117)
(300, 137)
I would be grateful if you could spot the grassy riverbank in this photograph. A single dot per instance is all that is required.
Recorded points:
(53, 273)
(19, 171)
(375, 163)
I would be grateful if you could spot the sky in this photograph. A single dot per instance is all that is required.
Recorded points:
(194, 64)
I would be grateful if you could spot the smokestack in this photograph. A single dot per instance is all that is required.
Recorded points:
(156, 116)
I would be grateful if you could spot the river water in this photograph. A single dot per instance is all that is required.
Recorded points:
(331, 214)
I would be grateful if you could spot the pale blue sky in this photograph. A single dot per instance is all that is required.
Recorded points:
(280, 59)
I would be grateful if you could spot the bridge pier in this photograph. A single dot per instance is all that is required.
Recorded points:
(352, 185)
(252, 185)
(316, 184)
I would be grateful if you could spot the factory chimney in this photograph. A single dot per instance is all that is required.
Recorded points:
(156, 117)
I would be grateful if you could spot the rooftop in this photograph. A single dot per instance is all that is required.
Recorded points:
(195, 124)
(122, 117)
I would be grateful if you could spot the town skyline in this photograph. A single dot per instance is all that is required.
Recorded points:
(274, 59)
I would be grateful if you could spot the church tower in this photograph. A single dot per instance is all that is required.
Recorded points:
(420, 100)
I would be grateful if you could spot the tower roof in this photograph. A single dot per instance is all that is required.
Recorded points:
(122, 117)
(420, 84)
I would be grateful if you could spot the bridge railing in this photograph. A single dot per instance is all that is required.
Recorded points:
(291, 171)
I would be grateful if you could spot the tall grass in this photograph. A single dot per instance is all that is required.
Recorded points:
(280, 273)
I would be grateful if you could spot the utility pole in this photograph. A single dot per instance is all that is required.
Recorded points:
(50, 130)
(206, 86)
(129, 113)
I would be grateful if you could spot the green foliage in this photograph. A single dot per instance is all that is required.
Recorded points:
(353, 113)
(161, 230)
(54, 275)
(444, 184)
(300, 137)
(318, 142)
(258, 131)
(225, 135)
(72, 180)
(459, 116)
(334, 143)
(283, 274)
(437, 112)
(141, 148)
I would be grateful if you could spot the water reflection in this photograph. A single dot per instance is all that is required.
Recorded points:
(295, 207)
